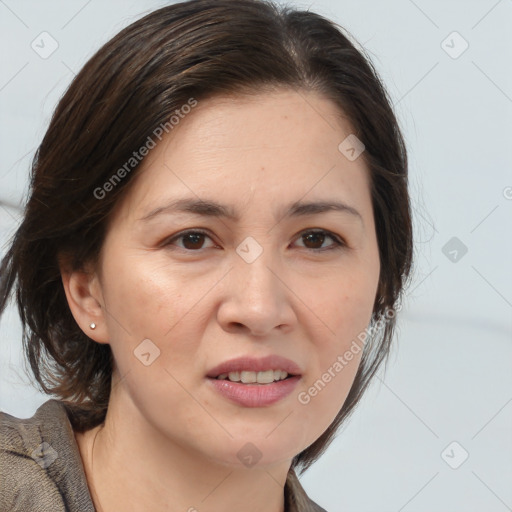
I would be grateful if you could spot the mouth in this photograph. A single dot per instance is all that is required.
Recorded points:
(257, 371)
(259, 378)
(250, 382)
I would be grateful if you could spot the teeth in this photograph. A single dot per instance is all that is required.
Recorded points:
(234, 376)
(246, 377)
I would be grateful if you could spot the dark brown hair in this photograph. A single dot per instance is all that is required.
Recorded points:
(132, 85)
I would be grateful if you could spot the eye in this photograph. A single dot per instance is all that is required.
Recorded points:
(192, 240)
(318, 237)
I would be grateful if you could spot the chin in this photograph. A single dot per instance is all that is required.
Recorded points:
(257, 448)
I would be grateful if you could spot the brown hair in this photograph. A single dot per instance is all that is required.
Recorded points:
(132, 85)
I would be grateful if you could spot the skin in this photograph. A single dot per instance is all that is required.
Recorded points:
(169, 441)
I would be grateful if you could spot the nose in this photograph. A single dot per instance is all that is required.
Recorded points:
(256, 298)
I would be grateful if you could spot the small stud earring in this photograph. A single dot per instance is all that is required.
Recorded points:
(93, 326)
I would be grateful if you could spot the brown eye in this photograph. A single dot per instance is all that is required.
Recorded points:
(314, 240)
(191, 240)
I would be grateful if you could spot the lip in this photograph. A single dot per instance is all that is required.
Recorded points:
(253, 364)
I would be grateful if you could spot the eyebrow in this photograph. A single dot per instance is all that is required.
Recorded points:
(210, 208)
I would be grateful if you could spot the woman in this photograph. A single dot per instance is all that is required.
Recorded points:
(216, 240)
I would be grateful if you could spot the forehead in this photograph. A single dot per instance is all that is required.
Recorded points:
(256, 122)
(268, 145)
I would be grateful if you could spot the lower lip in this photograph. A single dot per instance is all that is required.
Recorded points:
(255, 395)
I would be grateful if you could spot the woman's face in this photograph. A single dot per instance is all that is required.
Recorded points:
(251, 284)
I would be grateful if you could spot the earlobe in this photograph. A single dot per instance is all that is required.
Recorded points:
(83, 293)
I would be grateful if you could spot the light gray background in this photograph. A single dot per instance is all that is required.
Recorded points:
(449, 377)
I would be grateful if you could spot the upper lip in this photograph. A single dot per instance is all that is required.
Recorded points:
(253, 364)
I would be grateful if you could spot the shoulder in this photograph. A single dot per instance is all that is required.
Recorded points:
(40, 465)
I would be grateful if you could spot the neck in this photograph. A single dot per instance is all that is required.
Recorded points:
(131, 466)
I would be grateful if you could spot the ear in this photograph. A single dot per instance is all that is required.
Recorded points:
(85, 300)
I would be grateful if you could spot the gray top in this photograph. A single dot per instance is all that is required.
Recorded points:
(41, 468)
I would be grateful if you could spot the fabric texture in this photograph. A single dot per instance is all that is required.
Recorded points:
(41, 468)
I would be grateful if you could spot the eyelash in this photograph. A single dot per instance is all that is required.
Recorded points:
(338, 242)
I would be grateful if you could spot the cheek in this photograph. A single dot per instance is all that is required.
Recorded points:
(149, 300)
(345, 307)
(154, 335)
(326, 387)
(342, 304)
(323, 396)
(148, 294)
